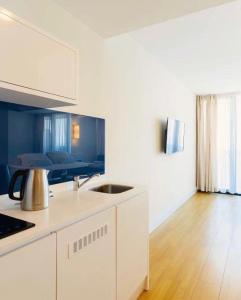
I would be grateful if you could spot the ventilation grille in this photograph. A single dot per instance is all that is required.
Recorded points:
(86, 240)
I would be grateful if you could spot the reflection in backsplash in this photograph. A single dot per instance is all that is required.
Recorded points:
(64, 143)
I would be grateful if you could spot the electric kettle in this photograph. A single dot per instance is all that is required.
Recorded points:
(34, 188)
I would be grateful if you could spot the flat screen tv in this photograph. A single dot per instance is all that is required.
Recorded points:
(66, 144)
(174, 136)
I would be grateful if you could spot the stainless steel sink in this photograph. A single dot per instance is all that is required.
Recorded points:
(111, 189)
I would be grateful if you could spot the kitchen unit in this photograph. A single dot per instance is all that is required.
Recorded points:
(86, 245)
(36, 68)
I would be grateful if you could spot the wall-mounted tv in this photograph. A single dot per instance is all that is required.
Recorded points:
(66, 144)
(174, 136)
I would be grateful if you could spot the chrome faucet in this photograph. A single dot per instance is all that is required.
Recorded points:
(78, 185)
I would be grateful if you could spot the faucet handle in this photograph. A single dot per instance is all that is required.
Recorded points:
(76, 178)
(76, 182)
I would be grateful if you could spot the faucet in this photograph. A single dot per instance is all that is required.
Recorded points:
(78, 185)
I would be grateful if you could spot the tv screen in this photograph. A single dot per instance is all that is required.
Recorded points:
(174, 136)
(66, 144)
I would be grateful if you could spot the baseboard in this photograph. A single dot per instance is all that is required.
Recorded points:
(138, 291)
(161, 219)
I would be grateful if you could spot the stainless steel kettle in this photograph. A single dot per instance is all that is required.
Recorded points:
(34, 189)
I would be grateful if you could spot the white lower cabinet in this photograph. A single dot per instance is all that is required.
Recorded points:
(132, 247)
(86, 259)
(104, 257)
(30, 272)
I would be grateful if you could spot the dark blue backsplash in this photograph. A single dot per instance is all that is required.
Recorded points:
(64, 143)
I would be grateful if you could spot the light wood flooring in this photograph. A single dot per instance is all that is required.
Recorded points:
(196, 254)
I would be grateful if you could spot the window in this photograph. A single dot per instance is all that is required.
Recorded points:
(57, 132)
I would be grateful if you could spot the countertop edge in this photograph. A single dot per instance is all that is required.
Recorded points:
(44, 232)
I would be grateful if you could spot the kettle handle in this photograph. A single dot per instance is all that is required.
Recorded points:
(14, 178)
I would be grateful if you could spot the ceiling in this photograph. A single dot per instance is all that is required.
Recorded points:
(201, 49)
(113, 17)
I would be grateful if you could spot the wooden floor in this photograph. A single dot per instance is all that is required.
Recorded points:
(196, 254)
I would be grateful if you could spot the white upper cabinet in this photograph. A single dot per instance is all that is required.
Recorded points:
(35, 63)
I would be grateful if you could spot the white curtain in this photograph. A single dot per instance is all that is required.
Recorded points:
(206, 143)
(229, 143)
(57, 132)
(219, 143)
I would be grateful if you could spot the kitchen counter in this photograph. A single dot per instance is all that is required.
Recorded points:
(65, 208)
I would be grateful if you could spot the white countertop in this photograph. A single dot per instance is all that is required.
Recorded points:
(65, 208)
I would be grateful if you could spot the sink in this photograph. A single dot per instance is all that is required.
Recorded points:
(111, 189)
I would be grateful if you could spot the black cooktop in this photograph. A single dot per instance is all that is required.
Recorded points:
(10, 225)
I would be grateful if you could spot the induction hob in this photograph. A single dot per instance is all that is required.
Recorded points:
(10, 225)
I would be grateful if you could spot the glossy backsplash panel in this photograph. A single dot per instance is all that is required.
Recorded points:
(65, 144)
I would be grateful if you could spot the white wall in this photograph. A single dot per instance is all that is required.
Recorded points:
(124, 83)
(138, 95)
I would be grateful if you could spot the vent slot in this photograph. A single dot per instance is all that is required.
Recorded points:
(88, 239)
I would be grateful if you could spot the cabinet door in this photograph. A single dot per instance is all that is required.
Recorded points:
(86, 259)
(132, 247)
(29, 58)
(30, 272)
